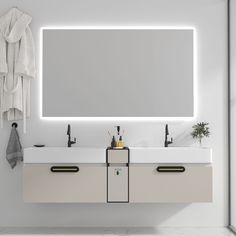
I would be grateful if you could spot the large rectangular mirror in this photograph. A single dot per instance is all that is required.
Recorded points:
(117, 72)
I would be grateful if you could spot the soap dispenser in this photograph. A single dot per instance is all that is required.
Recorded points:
(117, 141)
(120, 143)
(113, 142)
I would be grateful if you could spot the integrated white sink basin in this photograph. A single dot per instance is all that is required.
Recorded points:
(170, 155)
(64, 155)
(137, 155)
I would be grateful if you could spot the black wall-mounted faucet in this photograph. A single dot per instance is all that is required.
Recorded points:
(166, 137)
(69, 143)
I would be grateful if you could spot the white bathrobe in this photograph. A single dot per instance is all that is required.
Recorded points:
(17, 65)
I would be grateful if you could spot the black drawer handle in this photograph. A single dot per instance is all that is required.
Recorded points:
(64, 169)
(170, 169)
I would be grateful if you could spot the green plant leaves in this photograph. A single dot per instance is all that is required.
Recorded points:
(200, 130)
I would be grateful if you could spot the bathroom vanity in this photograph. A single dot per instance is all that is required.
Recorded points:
(65, 175)
(134, 175)
(170, 175)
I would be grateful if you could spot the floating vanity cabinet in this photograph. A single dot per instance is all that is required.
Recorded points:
(64, 182)
(134, 175)
(170, 183)
(170, 175)
(117, 176)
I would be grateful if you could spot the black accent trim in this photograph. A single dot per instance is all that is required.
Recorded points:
(65, 169)
(170, 168)
(108, 164)
(111, 148)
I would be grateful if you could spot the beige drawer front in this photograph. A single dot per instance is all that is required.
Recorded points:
(149, 185)
(117, 156)
(43, 185)
(118, 184)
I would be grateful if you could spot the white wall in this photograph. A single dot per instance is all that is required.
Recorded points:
(233, 112)
(209, 18)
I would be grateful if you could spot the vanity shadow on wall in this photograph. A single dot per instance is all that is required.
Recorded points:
(118, 72)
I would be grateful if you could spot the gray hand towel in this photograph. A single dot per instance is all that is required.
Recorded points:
(14, 149)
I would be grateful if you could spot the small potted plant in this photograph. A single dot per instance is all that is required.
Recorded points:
(200, 130)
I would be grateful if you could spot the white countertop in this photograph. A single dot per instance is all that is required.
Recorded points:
(98, 155)
(170, 155)
(64, 155)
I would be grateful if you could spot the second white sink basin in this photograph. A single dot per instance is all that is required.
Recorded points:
(64, 155)
(170, 155)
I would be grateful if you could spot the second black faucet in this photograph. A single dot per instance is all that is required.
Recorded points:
(166, 144)
(69, 142)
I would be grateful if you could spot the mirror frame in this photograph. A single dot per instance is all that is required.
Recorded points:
(140, 119)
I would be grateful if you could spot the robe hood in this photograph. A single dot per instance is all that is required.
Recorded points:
(14, 24)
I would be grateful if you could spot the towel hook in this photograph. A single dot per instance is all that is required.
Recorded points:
(14, 125)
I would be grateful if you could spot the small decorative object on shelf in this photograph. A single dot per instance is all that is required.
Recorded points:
(200, 130)
(117, 139)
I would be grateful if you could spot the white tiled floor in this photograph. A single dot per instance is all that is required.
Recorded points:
(118, 231)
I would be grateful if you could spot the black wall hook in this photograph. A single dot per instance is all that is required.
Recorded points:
(14, 125)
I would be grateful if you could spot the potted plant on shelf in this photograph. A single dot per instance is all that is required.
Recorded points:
(200, 130)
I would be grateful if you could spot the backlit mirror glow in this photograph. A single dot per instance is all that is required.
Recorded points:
(118, 73)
